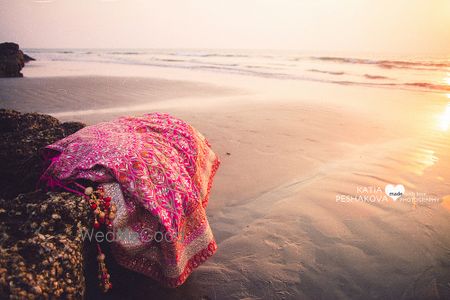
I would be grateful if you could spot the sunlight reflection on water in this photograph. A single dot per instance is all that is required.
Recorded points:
(425, 158)
(444, 118)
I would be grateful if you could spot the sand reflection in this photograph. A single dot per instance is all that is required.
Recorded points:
(424, 159)
(444, 118)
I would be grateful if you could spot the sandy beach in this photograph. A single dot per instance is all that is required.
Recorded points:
(298, 206)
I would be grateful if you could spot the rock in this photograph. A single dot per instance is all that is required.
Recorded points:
(29, 256)
(40, 233)
(27, 58)
(71, 127)
(21, 138)
(37, 290)
(11, 60)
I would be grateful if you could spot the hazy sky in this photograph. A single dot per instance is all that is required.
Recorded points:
(379, 26)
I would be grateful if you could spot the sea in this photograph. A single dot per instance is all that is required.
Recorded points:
(427, 73)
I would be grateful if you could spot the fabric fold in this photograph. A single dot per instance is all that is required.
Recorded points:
(158, 170)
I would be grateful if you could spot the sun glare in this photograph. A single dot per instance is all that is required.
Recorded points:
(444, 119)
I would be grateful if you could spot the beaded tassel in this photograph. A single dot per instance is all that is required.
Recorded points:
(103, 274)
(104, 214)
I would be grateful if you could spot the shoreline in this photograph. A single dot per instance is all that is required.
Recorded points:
(293, 148)
(86, 97)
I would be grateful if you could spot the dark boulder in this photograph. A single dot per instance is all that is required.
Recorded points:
(42, 250)
(21, 138)
(11, 60)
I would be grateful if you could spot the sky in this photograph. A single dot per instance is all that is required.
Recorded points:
(375, 26)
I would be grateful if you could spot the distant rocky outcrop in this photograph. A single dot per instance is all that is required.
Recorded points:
(41, 250)
(27, 58)
(12, 60)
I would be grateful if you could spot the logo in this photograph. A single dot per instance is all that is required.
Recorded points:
(398, 194)
(394, 192)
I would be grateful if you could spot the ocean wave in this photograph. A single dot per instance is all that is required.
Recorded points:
(431, 86)
(326, 72)
(204, 54)
(387, 64)
(280, 68)
(427, 86)
(125, 53)
(194, 61)
(369, 76)
(171, 60)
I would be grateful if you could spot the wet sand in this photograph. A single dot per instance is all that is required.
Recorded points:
(298, 208)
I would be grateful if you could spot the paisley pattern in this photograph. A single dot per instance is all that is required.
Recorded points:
(159, 170)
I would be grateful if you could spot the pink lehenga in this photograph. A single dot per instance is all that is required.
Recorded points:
(157, 171)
